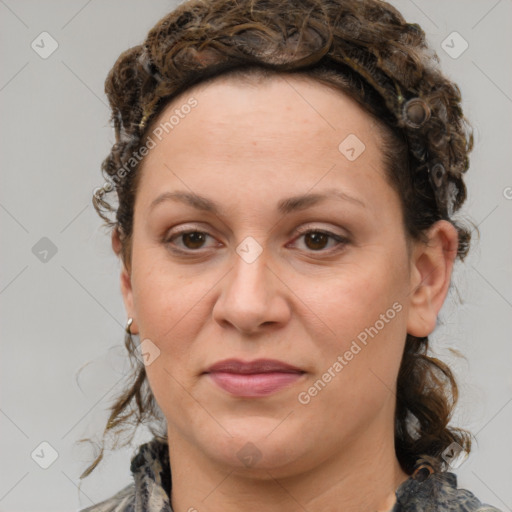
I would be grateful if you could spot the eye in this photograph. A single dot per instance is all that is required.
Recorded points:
(192, 240)
(316, 240)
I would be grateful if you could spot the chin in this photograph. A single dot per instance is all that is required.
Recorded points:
(258, 449)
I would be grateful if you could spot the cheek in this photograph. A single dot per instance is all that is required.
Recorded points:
(359, 365)
(165, 300)
(355, 298)
(365, 323)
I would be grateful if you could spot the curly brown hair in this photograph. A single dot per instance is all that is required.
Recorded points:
(363, 48)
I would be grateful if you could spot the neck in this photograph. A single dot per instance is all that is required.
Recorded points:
(364, 475)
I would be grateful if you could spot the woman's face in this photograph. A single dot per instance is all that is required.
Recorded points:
(248, 284)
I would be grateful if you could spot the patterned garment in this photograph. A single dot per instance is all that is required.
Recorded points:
(152, 478)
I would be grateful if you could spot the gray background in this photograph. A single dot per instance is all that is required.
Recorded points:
(66, 312)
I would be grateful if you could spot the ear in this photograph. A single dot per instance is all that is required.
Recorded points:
(431, 270)
(126, 284)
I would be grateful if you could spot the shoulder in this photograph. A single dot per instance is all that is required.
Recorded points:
(123, 501)
(438, 492)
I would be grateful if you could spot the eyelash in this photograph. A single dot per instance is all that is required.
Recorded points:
(342, 241)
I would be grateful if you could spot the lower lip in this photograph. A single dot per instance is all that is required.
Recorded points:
(254, 384)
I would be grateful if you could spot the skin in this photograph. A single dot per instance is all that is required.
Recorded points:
(302, 301)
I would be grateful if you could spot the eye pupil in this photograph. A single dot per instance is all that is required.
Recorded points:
(317, 237)
(196, 237)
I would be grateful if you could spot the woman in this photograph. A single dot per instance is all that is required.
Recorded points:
(287, 174)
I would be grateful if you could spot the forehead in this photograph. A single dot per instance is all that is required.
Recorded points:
(264, 101)
(253, 92)
(280, 131)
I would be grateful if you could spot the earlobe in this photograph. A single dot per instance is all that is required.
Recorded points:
(430, 277)
(126, 283)
(127, 292)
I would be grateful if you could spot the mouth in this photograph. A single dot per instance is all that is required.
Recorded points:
(258, 378)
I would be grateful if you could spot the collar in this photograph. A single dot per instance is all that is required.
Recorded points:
(152, 475)
(425, 490)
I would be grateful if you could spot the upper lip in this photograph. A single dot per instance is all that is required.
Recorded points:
(256, 366)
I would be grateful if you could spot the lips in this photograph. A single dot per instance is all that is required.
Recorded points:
(258, 378)
(256, 366)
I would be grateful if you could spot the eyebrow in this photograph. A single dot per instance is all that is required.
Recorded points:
(284, 206)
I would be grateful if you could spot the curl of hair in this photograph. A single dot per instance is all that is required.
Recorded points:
(363, 48)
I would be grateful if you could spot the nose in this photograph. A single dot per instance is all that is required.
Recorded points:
(252, 297)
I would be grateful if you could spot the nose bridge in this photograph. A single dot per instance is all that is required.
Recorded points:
(249, 297)
(250, 272)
